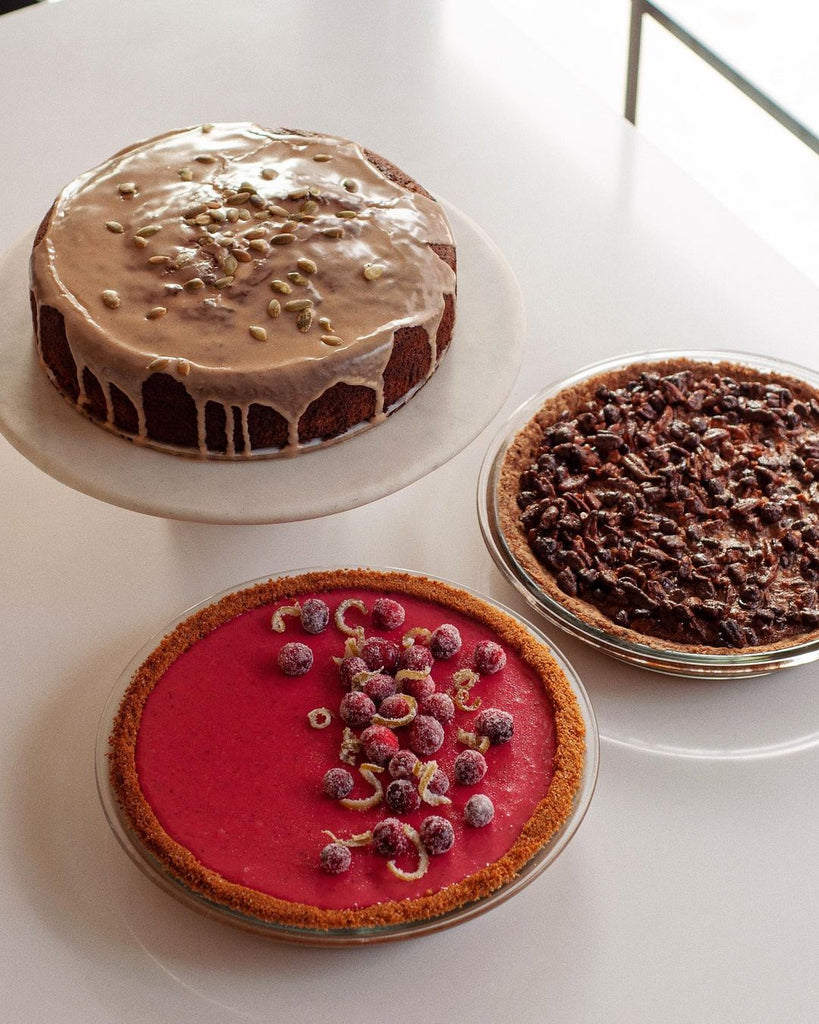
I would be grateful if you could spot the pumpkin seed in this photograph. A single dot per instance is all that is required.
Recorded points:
(114, 227)
(259, 333)
(111, 298)
(304, 321)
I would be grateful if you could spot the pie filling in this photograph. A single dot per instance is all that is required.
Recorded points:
(223, 745)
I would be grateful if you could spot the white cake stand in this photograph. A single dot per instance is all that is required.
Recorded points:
(450, 411)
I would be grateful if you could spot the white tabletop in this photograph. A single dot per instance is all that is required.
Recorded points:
(690, 891)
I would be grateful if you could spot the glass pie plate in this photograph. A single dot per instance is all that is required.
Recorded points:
(696, 664)
(343, 937)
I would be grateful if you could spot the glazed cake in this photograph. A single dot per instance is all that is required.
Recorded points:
(673, 503)
(228, 291)
(346, 749)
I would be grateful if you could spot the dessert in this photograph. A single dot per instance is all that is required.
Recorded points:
(673, 503)
(228, 291)
(237, 769)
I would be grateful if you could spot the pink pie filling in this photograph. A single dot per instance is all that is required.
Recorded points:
(233, 769)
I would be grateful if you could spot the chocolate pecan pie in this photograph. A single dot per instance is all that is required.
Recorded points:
(674, 503)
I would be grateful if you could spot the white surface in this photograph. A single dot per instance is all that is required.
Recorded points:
(436, 424)
(690, 891)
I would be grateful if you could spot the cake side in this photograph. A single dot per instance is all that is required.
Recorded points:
(228, 291)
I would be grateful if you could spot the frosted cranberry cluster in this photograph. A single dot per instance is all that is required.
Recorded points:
(394, 720)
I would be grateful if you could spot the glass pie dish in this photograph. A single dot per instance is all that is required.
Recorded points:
(170, 881)
(627, 645)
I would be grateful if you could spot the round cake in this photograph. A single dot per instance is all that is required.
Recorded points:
(229, 292)
(346, 749)
(673, 503)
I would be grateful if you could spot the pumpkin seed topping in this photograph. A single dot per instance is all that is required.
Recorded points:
(284, 238)
(156, 313)
(281, 286)
(127, 188)
(296, 305)
(274, 308)
(332, 339)
(185, 174)
(159, 363)
(258, 333)
(111, 298)
(306, 266)
(114, 227)
(372, 271)
(183, 367)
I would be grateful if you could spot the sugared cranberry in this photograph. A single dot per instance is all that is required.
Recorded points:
(379, 743)
(440, 706)
(489, 657)
(469, 767)
(378, 687)
(295, 659)
(388, 838)
(496, 725)
(349, 668)
(416, 659)
(314, 615)
(437, 834)
(439, 783)
(479, 810)
(445, 641)
(395, 706)
(402, 796)
(402, 764)
(388, 614)
(337, 783)
(426, 735)
(379, 653)
(335, 858)
(420, 689)
(357, 709)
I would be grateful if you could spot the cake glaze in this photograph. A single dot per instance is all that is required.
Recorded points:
(163, 280)
(219, 770)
